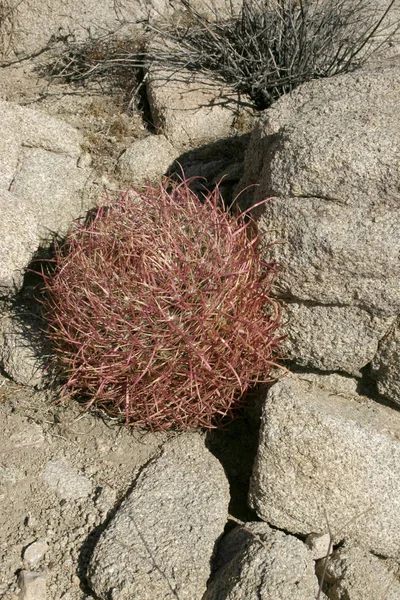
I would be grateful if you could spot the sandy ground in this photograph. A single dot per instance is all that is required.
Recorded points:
(63, 472)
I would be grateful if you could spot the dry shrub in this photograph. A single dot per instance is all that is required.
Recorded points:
(265, 49)
(159, 309)
(273, 46)
(108, 61)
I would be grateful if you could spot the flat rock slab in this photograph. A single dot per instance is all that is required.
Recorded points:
(54, 185)
(188, 108)
(259, 563)
(161, 540)
(39, 163)
(326, 457)
(22, 126)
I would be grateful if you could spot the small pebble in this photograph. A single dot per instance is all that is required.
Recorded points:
(34, 553)
(318, 544)
(84, 161)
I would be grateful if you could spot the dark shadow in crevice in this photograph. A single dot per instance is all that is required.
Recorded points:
(367, 386)
(366, 382)
(293, 367)
(220, 162)
(142, 101)
(235, 446)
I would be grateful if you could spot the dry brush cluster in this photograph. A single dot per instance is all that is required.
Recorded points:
(159, 309)
(264, 50)
(272, 46)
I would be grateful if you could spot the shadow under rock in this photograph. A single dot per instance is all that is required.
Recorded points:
(368, 386)
(221, 161)
(235, 446)
(26, 348)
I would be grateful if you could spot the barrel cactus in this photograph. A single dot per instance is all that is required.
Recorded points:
(159, 308)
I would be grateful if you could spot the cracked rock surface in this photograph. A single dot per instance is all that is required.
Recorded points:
(169, 522)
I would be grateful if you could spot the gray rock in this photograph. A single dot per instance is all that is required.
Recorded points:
(34, 553)
(346, 255)
(24, 351)
(161, 540)
(258, 563)
(147, 159)
(332, 338)
(66, 480)
(188, 108)
(355, 574)
(386, 364)
(326, 458)
(54, 186)
(22, 126)
(39, 156)
(319, 544)
(328, 155)
(333, 140)
(32, 585)
(19, 240)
